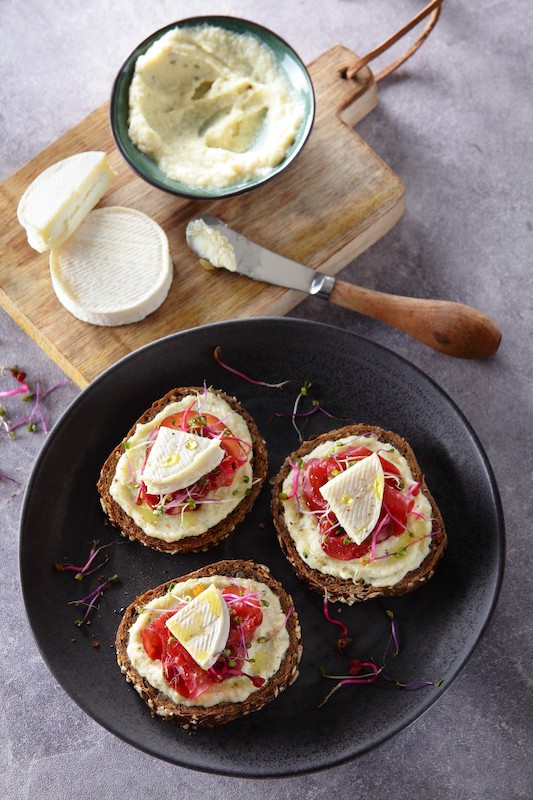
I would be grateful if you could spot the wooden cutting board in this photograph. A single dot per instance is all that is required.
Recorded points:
(333, 202)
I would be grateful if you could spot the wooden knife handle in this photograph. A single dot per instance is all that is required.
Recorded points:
(452, 328)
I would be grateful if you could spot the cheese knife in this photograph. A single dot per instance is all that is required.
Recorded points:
(449, 327)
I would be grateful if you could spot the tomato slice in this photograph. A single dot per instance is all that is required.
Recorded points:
(315, 475)
(206, 425)
(153, 636)
(398, 504)
(152, 642)
(246, 612)
(183, 673)
(335, 545)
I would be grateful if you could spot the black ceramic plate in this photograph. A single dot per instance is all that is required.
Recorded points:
(439, 625)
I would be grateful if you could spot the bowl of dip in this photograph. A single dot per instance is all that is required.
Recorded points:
(211, 106)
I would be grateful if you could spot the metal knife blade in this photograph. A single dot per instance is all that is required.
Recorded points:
(257, 262)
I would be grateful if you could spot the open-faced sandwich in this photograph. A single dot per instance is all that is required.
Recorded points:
(354, 515)
(211, 646)
(186, 473)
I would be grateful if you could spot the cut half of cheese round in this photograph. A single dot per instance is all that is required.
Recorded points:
(60, 198)
(115, 269)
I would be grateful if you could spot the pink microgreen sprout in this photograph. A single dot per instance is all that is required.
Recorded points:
(257, 680)
(92, 598)
(344, 640)
(355, 670)
(414, 684)
(357, 675)
(295, 480)
(185, 420)
(5, 477)
(375, 534)
(302, 393)
(280, 627)
(216, 355)
(414, 488)
(248, 598)
(22, 388)
(295, 413)
(316, 407)
(400, 553)
(36, 397)
(394, 632)
(88, 568)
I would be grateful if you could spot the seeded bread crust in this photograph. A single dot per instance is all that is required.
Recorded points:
(197, 716)
(340, 589)
(218, 532)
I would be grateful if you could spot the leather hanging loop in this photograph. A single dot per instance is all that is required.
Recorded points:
(432, 10)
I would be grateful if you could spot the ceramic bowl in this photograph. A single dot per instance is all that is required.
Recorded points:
(286, 58)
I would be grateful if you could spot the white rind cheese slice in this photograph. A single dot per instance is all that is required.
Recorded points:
(355, 497)
(115, 269)
(59, 199)
(202, 626)
(178, 459)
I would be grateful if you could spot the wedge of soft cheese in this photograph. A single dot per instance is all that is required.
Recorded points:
(202, 626)
(178, 459)
(115, 269)
(355, 496)
(210, 245)
(60, 198)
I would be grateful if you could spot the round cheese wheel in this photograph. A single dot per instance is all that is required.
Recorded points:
(115, 269)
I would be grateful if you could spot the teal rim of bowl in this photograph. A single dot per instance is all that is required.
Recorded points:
(286, 58)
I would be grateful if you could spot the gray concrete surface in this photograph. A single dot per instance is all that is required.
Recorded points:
(455, 123)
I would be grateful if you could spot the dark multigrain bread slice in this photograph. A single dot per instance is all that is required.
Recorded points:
(197, 716)
(218, 532)
(339, 589)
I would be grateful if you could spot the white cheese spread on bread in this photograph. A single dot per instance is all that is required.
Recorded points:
(264, 655)
(221, 501)
(394, 557)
